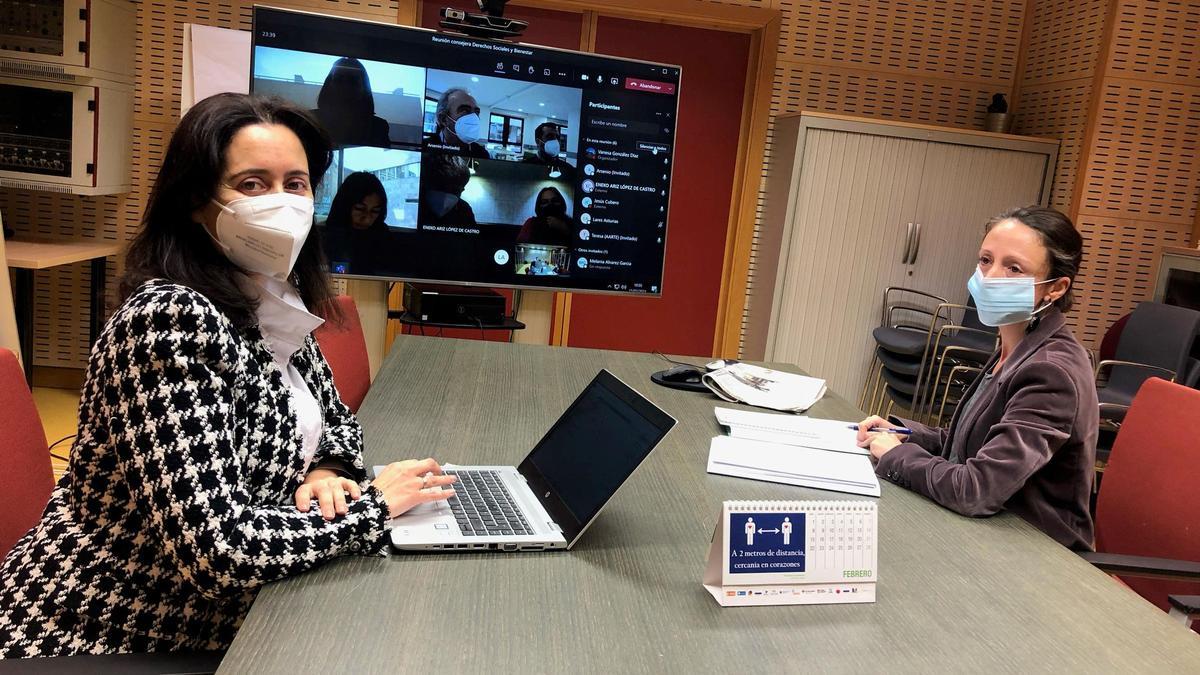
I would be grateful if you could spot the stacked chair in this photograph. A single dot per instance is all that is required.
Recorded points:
(927, 351)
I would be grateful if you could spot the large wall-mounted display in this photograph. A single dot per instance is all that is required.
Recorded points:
(479, 162)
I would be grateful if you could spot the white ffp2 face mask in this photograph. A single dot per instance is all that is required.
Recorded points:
(264, 234)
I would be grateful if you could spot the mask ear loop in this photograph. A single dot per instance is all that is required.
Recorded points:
(1037, 318)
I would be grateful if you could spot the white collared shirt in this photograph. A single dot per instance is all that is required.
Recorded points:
(285, 322)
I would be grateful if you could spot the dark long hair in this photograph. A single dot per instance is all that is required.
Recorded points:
(1064, 244)
(173, 246)
(353, 190)
(347, 87)
(557, 193)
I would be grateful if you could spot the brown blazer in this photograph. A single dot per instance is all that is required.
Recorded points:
(1029, 443)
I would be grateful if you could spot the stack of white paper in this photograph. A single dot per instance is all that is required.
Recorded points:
(803, 451)
(765, 388)
(810, 432)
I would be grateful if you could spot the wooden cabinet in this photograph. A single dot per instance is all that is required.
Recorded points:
(854, 206)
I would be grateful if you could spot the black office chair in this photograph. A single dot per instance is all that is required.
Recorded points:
(913, 361)
(1158, 341)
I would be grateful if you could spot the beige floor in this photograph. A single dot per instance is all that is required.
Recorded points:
(59, 410)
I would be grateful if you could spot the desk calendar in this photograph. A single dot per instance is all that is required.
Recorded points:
(793, 553)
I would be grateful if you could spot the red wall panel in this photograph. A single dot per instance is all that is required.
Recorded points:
(683, 320)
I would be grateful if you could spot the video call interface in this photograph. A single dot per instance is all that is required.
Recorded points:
(461, 159)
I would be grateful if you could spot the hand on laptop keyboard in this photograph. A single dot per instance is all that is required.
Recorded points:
(412, 482)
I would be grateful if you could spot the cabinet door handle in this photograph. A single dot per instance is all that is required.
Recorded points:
(916, 245)
(908, 241)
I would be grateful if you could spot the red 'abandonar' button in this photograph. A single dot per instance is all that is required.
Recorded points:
(649, 85)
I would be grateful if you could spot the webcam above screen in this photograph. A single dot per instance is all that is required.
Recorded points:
(465, 160)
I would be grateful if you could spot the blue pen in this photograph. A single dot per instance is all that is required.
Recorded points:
(884, 430)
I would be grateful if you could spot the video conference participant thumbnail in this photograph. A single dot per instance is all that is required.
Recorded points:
(457, 190)
(366, 211)
(490, 206)
(542, 260)
(358, 101)
(494, 118)
(549, 138)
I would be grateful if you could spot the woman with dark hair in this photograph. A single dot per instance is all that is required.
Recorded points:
(360, 204)
(1024, 436)
(346, 106)
(355, 232)
(213, 453)
(550, 223)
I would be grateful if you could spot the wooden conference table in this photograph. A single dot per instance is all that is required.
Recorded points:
(955, 594)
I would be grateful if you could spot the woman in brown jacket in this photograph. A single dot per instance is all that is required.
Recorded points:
(1024, 438)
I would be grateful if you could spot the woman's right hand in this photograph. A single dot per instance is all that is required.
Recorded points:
(875, 422)
(411, 483)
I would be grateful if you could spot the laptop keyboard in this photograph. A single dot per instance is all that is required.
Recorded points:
(483, 506)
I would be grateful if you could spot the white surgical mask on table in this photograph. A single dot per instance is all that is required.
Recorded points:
(264, 234)
(1004, 301)
(551, 148)
(467, 128)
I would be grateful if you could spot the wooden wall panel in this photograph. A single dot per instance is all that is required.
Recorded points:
(928, 61)
(866, 93)
(62, 300)
(1058, 110)
(959, 39)
(1157, 39)
(1118, 260)
(1145, 152)
(1140, 184)
(1064, 40)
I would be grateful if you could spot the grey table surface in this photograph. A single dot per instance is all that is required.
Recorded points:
(955, 594)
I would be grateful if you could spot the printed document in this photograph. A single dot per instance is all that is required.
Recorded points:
(793, 465)
(810, 432)
(765, 388)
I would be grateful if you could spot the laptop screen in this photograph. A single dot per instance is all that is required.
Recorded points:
(590, 451)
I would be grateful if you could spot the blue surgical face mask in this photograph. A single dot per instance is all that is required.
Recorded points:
(551, 147)
(1004, 301)
(467, 128)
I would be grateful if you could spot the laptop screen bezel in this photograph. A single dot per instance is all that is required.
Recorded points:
(545, 493)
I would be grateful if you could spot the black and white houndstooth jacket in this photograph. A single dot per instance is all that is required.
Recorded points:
(178, 503)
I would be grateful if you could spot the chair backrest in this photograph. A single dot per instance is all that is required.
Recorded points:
(971, 318)
(26, 477)
(345, 349)
(1149, 501)
(1156, 335)
(1108, 346)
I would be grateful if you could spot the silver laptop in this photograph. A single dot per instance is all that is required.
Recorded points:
(557, 491)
